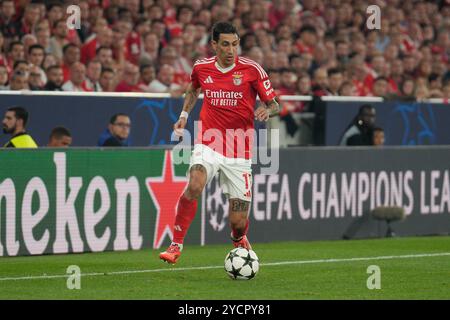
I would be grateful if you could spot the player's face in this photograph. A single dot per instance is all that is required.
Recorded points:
(226, 48)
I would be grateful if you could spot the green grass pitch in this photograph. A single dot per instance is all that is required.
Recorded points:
(309, 275)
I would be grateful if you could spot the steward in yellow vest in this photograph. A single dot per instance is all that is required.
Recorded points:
(21, 140)
(14, 123)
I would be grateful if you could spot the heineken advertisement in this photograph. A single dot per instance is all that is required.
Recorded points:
(88, 200)
(92, 200)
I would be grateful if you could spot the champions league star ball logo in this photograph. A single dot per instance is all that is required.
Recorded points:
(237, 78)
(216, 206)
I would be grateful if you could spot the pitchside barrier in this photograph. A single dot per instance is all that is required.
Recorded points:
(91, 200)
(323, 121)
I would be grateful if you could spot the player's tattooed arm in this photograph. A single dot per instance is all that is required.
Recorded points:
(190, 98)
(273, 106)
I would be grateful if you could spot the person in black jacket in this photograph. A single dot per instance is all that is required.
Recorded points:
(360, 130)
(117, 133)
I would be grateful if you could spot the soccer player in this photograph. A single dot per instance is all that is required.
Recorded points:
(230, 85)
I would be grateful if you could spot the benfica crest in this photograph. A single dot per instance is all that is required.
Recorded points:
(237, 78)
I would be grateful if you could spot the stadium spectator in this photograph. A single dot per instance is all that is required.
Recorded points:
(130, 79)
(71, 55)
(43, 38)
(59, 39)
(93, 72)
(360, 130)
(413, 40)
(380, 87)
(105, 56)
(29, 20)
(320, 82)
(149, 54)
(378, 137)
(116, 135)
(19, 81)
(77, 78)
(107, 80)
(164, 82)
(347, 89)
(60, 137)
(36, 55)
(8, 26)
(335, 79)
(28, 40)
(22, 66)
(3, 78)
(147, 72)
(103, 38)
(55, 78)
(15, 53)
(35, 81)
(14, 123)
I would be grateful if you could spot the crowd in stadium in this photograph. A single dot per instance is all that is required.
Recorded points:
(320, 47)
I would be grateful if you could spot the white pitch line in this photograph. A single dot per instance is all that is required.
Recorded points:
(424, 255)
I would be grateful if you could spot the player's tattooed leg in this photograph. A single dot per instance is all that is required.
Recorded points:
(239, 205)
(238, 213)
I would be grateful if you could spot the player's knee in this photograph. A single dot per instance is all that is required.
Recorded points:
(195, 189)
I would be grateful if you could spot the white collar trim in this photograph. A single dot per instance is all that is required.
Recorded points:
(224, 70)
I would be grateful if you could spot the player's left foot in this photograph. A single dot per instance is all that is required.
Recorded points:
(242, 242)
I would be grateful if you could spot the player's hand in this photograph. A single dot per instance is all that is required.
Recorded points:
(262, 114)
(178, 127)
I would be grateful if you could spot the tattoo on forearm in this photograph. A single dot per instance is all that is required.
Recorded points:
(239, 205)
(190, 98)
(273, 107)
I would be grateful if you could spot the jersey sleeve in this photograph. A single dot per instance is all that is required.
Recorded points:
(263, 85)
(194, 77)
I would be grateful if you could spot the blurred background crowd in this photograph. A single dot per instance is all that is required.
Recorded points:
(308, 47)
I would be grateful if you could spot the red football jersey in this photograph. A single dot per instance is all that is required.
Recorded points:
(229, 103)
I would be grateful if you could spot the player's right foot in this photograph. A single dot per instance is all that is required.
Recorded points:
(172, 254)
(243, 243)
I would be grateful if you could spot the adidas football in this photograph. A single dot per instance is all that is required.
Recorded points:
(241, 264)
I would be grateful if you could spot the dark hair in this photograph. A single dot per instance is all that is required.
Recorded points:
(104, 70)
(145, 66)
(115, 116)
(101, 48)
(20, 113)
(334, 71)
(433, 77)
(59, 132)
(307, 28)
(67, 46)
(19, 62)
(223, 27)
(53, 4)
(364, 107)
(55, 24)
(35, 46)
(376, 129)
(381, 78)
(14, 43)
(55, 66)
(182, 7)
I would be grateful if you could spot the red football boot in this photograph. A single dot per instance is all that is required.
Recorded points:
(242, 242)
(171, 254)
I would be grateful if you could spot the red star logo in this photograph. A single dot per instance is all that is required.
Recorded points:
(165, 191)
